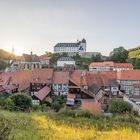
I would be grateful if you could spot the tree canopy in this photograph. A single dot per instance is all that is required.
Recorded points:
(119, 55)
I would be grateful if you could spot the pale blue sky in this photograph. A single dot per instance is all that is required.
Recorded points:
(38, 25)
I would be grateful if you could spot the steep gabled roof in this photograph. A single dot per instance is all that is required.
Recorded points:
(43, 93)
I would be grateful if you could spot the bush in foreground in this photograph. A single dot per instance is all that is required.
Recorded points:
(22, 102)
(119, 106)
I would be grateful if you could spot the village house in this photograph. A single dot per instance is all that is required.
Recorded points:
(60, 83)
(109, 66)
(40, 85)
(61, 62)
(79, 95)
(129, 82)
(44, 60)
(103, 85)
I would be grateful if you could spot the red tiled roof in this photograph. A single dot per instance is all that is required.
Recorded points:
(10, 87)
(5, 77)
(42, 76)
(61, 78)
(111, 64)
(102, 64)
(1, 89)
(123, 65)
(77, 77)
(94, 107)
(24, 78)
(43, 93)
(128, 75)
(137, 85)
(44, 57)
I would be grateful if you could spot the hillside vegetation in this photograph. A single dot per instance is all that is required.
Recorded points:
(67, 126)
(134, 53)
(5, 57)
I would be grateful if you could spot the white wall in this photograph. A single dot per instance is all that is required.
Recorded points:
(62, 63)
(61, 89)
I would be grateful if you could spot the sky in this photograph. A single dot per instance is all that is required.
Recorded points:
(37, 25)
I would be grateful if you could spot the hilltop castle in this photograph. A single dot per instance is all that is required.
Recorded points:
(71, 48)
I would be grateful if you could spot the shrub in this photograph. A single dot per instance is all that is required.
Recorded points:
(22, 101)
(119, 106)
(36, 107)
(9, 104)
(77, 113)
(2, 100)
(56, 106)
(46, 103)
(45, 108)
(58, 102)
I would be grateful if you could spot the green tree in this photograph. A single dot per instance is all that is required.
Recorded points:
(97, 58)
(9, 104)
(136, 64)
(119, 55)
(22, 101)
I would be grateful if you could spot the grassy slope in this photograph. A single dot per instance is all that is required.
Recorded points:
(23, 128)
(31, 126)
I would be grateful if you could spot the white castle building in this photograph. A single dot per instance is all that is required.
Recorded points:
(71, 48)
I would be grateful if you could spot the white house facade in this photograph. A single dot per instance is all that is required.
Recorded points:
(61, 62)
(109, 66)
(61, 83)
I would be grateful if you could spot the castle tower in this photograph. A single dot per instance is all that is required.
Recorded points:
(82, 46)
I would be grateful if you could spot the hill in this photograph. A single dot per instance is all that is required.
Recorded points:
(134, 53)
(5, 57)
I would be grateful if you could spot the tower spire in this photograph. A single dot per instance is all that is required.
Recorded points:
(13, 48)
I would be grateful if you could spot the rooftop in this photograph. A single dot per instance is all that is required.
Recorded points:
(111, 64)
(61, 78)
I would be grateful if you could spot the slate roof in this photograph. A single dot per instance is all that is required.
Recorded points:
(66, 45)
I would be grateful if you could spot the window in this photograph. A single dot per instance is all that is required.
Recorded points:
(35, 102)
